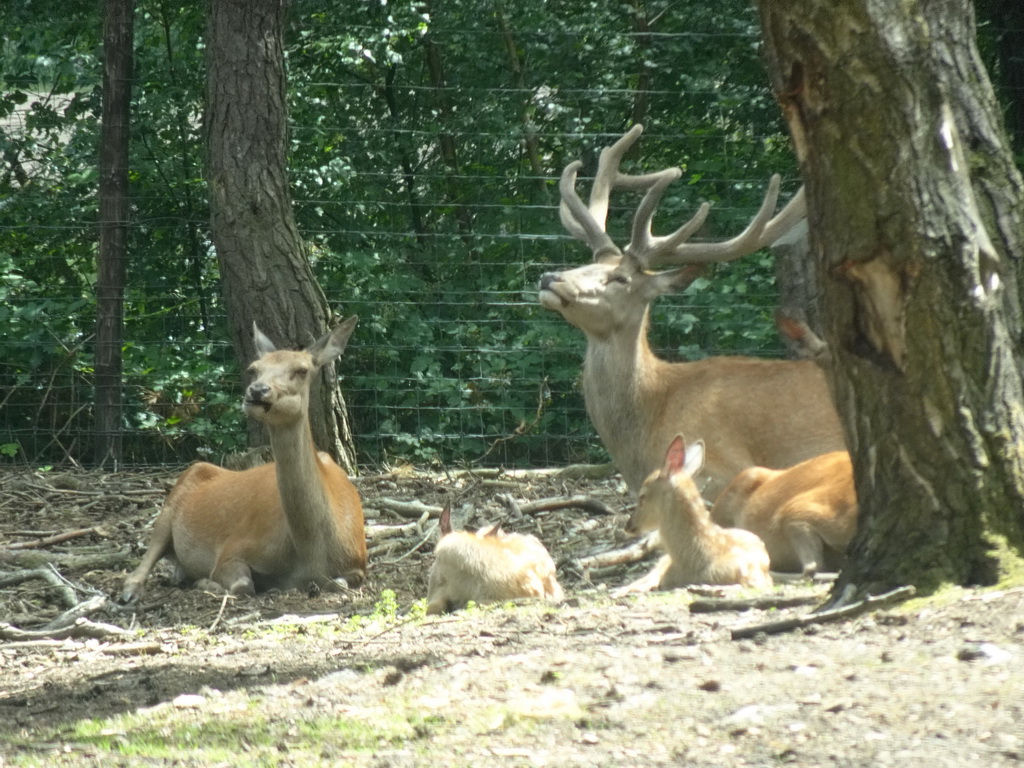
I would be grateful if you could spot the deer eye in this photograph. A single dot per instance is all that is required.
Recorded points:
(617, 277)
(298, 373)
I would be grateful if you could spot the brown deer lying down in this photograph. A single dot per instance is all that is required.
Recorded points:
(699, 551)
(486, 566)
(291, 523)
(806, 515)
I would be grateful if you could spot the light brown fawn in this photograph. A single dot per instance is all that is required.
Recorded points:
(772, 413)
(487, 566)
(290, 523)
(698, 550)
(805, 515)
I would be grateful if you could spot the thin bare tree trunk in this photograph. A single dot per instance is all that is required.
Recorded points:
(118, 35)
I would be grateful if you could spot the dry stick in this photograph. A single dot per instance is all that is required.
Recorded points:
(67, 595)
(550, 505)
(870, 603)
(710, 605)
(81, 628)
(408, 509)
(635, 552)
(70, 616)
(220, 613)
(58, 538)
(34, 559)
(423, 541)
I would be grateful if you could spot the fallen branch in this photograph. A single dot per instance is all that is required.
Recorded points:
(36, 559)
(76, 612)
(550, 505)
(586, 471)
(866, 605)
(66, 594)
(59, 538)
(413, 510)
(764, 603)
(82, 628)
(635, 552)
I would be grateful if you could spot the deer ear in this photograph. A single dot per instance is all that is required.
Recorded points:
(675, 457)
(264, 346)
(694, 458)
(330, 346)
(445, 521)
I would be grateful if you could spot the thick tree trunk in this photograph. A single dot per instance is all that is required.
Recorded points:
(916, 219)
(265, 274)
(118, 34)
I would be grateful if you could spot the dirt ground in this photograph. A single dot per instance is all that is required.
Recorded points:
(363, 679)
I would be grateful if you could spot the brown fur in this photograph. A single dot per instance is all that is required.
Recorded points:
(488, 566)
(806, 515)
(290, 523)
(699, 551)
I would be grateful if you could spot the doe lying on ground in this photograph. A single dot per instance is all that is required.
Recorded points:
(806, 515)
(290, 523)
(698, 550)
(488, 566)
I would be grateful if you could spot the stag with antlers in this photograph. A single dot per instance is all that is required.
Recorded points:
(749, 412)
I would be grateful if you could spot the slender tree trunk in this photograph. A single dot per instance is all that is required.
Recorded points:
(531, 144)
(118, 35)
(916, 217)
(265, 273)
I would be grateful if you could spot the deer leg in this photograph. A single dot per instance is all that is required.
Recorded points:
(161, 543)
(233, 576)
(807, 545)
(647, 583)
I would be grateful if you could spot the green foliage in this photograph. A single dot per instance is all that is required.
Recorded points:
(424, 157)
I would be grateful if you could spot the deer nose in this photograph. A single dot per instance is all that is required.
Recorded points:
(257, 393)
(547, 279)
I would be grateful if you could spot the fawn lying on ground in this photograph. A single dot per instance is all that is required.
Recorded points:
(806, 515)
(486, 566)
(699, 551)
(293, 522)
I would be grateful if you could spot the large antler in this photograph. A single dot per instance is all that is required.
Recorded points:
(588, 223)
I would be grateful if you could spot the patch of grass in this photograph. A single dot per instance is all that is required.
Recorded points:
(227, 731)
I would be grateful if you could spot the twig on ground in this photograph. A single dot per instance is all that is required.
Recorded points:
(220, 613)
(66, 594)
(424, 540)
(59, 538)
(764, 603)
(850, 610)
(633, 553)
(561, 502)
(76, 612)
(407, 509)
(82, 628)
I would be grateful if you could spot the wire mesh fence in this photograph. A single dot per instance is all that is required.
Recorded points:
(430, 207)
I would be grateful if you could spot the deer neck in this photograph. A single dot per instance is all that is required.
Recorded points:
(624, 390)
(686, 529)
(304, 500)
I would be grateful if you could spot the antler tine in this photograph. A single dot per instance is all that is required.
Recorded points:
(588, 223)
(762, 230)
(579, 221)
(642, 245)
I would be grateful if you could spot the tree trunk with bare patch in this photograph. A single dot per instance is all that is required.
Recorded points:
(265, 272)
(916, 215)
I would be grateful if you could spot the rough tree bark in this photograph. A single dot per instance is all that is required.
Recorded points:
(265, 273)
(916, 216)
(118, 34)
